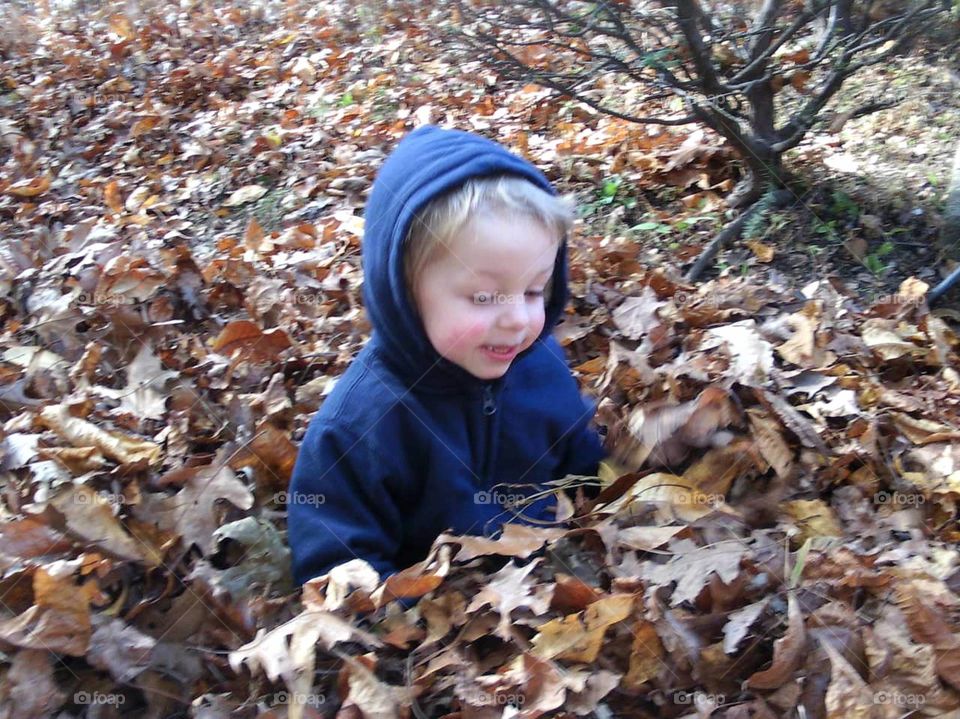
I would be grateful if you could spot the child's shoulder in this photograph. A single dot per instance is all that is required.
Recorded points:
(364, 393)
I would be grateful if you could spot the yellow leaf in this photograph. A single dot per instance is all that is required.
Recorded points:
(814, 518)
(111, 196)
(763, 252)
(29, 188)
(144, 125)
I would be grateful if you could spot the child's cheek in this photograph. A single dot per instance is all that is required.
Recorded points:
(465, 335)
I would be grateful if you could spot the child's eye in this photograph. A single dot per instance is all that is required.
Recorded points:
(535, 293)
(482, 298)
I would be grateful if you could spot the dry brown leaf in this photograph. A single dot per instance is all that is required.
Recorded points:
(375, 699)
(637, 316)
(647, 538)
(29, 188)
(751, 356)
(76, 460)
(848, 696)
(81, 433)
(769, 438)
(924, 431)
(677, 498)
(47, 629)
(814, 518)
(516, 540)
(90, 518)
(247, 193)
(247, 338)
(288, 651)
(880, 335)
(509, 589)
(192, 512)
(112, 197)
(691, 568)
(663, 434)
(29, 537)
(31, 690)
(739, 623)
(788, 651)
(646, 656)
(803, 348)
(271, 454)
(577, 638)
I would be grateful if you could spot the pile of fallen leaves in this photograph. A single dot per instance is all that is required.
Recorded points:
(785, 547)
(775, 537)
(784, 537)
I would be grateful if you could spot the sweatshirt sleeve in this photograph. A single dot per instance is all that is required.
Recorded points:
(583, 450)
(339, 506)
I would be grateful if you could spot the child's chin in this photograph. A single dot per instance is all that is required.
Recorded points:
(489, 374)
(485, 371)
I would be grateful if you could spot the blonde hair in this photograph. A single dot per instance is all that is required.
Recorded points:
(434, 226)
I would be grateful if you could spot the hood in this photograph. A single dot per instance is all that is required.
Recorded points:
(426, 163)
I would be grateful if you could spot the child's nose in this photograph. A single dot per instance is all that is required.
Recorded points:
(514, 315)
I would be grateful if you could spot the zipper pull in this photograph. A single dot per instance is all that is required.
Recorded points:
(489, 406)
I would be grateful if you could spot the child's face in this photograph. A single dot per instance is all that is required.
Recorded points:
(485, 293)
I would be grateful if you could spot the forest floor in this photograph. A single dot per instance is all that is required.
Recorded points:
(181, 212)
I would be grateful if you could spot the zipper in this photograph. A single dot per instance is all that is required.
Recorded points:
(489, 409)
(489, 404)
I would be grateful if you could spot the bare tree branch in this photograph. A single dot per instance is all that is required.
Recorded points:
(724, 58)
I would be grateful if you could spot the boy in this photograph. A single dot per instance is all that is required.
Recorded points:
(461, 406)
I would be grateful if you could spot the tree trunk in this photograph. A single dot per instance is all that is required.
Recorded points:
(764, 171)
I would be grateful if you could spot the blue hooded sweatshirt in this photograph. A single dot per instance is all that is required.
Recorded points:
(408, 445)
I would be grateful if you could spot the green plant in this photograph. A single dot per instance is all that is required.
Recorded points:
(843, 205)
(778, 221)
(346, 99)
(613, 191)
(688, 222)
(657, 227)
(874, 261)
(828, 229)
(753, 226)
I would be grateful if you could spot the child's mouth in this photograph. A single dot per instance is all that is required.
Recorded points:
(500, 352)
